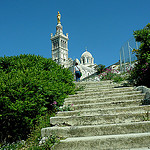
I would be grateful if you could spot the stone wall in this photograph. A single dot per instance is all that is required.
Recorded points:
(92, 77)
(145, 90)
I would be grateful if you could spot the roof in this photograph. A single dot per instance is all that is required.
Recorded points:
(86, 54)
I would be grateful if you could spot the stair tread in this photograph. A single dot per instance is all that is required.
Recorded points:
(110, 102)
(104, 92)
(96, 109)
(123, 113)
(107, 136)
(105, 97)
(102, 125)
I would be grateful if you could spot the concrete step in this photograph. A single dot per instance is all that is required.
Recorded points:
(108, 142)
(144, 108)
(85, 96)
(104, 90)
(104, 105)
(102, 83)
(97, 130)
(141, 148)
(101, 88)
(93, 82)
(104, 99)
(103, 93)
(98, 119)
(99, 85)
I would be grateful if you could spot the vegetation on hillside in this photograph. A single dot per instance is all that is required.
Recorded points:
(30, 85)
(100, 68)
(141, 72)
(114, 75)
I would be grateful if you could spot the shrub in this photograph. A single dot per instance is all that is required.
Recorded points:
(118, 78)
(34, 140)
(29, 85)
(114, 75)
(107, 75)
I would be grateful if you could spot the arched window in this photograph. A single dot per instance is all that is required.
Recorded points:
(63, 44)
(83, 61)
(87, 60)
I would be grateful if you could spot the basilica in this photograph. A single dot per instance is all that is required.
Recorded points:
(60, 53)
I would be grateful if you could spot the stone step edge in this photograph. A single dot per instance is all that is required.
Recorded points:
(44, 131)
(104, 92)
(106, 97)
(112, 89)
(102, 86)
(92, 81)
(95, 83)
(110, 102)
(103, 98)
(99, 109)
(103, 115)
(109, 95)
(98, 84)
(117, 142)
(109, 136)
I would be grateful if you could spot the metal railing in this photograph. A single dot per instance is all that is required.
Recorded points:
(127, 58)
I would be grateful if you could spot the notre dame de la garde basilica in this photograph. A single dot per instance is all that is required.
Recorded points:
(60, 52)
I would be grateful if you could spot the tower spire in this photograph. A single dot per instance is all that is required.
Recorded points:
(59, 26)
(86, 49)
(58, 18)
(60, 45)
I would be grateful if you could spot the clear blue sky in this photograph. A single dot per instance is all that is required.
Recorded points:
(100, 25)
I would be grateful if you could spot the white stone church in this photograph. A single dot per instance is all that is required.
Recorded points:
(60, 52)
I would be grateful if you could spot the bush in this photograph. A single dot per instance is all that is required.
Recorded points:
(29, 85)
(108, 74)
(118, 78)
(114, 75)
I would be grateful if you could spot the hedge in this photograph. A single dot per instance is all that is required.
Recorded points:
(29, 84)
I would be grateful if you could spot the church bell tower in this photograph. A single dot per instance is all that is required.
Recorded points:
(60, 45)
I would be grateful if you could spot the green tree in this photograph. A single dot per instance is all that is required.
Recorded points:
(141, 72)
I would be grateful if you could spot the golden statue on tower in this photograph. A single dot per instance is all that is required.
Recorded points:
(58, 18)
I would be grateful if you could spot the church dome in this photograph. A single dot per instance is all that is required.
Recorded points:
(87, 59)
(86, 54)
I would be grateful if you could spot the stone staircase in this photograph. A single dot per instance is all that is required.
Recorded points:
(106, 116)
